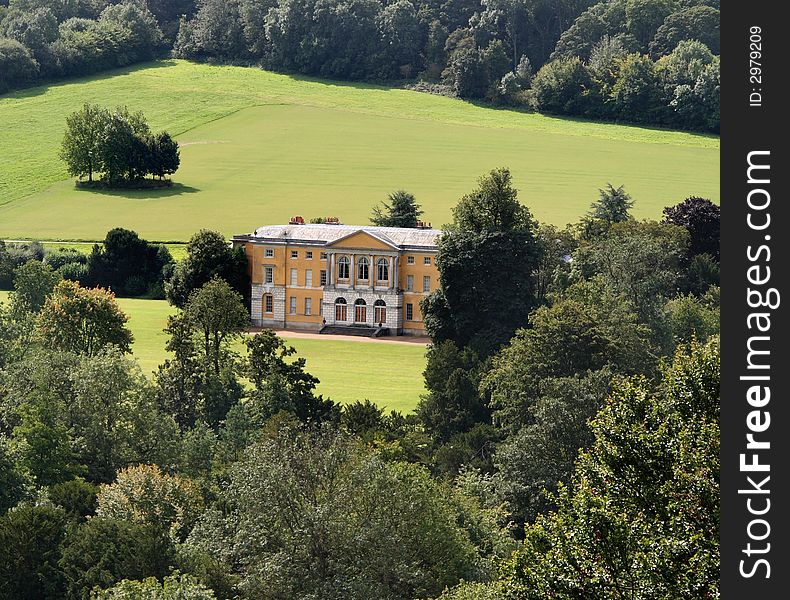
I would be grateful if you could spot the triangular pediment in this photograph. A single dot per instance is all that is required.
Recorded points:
(362, 240)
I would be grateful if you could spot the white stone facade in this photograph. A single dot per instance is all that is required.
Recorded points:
(393, 308)
(261, 319)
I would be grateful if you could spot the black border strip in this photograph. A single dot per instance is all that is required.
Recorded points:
(754, 120)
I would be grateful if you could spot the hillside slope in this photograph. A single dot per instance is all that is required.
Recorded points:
(259, 147)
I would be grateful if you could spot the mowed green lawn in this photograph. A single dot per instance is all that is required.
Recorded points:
(389, 374)
(260, 147)
(177, 251)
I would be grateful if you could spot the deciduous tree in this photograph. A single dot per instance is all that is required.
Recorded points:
(81, 147)
(208, 255)
(82, 320)
(490, 246)
(316, 514)
(33, 283)
(217, 313)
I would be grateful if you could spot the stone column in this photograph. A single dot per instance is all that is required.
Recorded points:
(391, 273)
(331, 266)
(352, 274)
(371, 272)
(396, 274)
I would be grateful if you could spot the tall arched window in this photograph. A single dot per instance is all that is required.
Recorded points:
(380, 312)
(341, 310)
(382, 269)
(343, 267)
(360, 311)
(364, 268)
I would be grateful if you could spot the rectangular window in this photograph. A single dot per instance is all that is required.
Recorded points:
(426, 284)
(409, 312)
(268, 274)
(308, 255)
(323, 256)
(308, 278)
(308, 306)
(292, 305)
(409, 260)
(268, 303)
(409, 283)
(269, 253)
(294, 277)
(323, 277)
(294, 254)
(426, 260)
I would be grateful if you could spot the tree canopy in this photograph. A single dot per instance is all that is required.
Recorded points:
(480, 50)
(83, 320)
(208, 255)
(117, 144)
(491, 245)
(401, 211)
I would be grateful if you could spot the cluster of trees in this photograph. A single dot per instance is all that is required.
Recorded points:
(118, 145)
(609, 59)
(42, 39)
(680, 89)
(628, 60)
(568, 381)
(123, 262)
(194, 485)
(130, 266)
(567, 445)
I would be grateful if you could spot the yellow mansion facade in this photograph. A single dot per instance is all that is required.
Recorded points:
(340, 278)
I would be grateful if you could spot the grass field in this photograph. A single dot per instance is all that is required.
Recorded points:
(177, 251)
(260, 147)
(388, 374)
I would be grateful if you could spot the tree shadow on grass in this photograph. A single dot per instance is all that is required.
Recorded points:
(177, 189)
(40, 87)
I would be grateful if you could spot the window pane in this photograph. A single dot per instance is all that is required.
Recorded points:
(308, 306)
(409, 312)
(294, 276)
(426, 284)
(383, 270)
(343, 267)
(410, 282)
(323, 277)
(340, 312)
(294, 254)
(292, 307)
(268, 275)
(308, 278)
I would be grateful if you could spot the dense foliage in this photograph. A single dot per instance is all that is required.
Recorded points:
(118, 145)
(401, 211)
(45, 39)
(645, 61)
(208, 255)
(491, 245)
(566, 447)
(123, 263)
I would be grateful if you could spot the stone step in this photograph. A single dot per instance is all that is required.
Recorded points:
(357, 330)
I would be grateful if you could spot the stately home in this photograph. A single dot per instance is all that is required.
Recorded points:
(338, 278)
